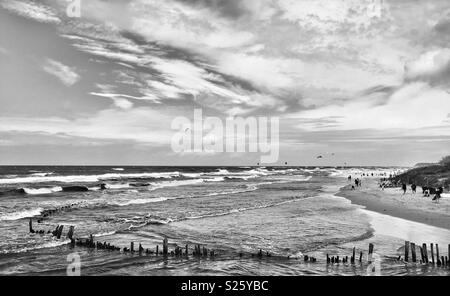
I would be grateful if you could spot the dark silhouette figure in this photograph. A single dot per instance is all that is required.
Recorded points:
(404, 188)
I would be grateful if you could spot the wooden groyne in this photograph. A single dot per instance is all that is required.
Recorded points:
(200, 251)
(435, 259)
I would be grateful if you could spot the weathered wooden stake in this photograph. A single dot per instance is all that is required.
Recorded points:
(413, 252)
(58, 236)
(360, 256)
(70, 232)
(132, 246)
(432, 253)
(165, 246)
(406, 251)
(186, 250)
(353, 256)
(421, 255)
(370, 252)
(157, 249)
(425, 253)
(438, 259)
(31, 226)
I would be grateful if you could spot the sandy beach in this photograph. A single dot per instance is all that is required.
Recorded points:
(391, 201)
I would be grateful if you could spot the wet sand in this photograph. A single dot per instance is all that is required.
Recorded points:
(391, 201)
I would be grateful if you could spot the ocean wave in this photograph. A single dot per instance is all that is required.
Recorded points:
(117, 169)
(175, 183)
(35, 191)
(138, 222)
(117, 186)
(42, 174)
(104, 233)
(21, 214)
(138, 201)
(87, 178)
(51, 244)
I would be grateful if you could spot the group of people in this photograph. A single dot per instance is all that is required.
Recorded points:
(358, 182)
(426, 191)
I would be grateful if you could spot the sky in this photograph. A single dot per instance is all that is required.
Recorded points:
(358, 82)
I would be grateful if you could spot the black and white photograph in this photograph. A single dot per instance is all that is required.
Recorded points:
(224, 138)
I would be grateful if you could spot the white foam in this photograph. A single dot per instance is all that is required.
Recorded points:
(104, 234)
(21, 214)
(86, 178)
(117, 186)
(35, 191)
(174, 183)
(138, 201)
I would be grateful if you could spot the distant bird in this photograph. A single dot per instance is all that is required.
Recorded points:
(320, 156)
(285, 162)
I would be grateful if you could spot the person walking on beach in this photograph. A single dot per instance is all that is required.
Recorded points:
(437, 196)
(356, 182)
(404, 188)
(413, 188)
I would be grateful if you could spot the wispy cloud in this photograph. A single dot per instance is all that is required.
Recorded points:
(64, 73)
(32, 10)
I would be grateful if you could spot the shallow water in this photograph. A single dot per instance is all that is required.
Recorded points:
(283, 211)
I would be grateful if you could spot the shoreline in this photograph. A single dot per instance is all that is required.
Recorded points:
(392, 202)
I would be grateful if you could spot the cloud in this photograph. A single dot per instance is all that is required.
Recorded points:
(140, 125)
(65, 74)
(413, 106)
(432, 66)
(32, 10)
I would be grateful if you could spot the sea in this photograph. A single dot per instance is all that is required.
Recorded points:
(286, 212)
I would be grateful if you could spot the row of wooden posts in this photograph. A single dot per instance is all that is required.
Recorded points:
(440, 260)
(178, 251)
(202, 251)
(333, 259)
(57, 232)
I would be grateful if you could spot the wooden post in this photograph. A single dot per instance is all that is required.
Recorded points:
(406, 251)
(443, 260)
(157, 251)
(425, 252)
(413, 252)
(432, 253)
(370, 252)
(360, 256)
(438, 259)
(70, 232)
(421, 255)
(165, 246)
(30, 224)
(132, 246)
(186, 250)
(352, 259)
(58, 236)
